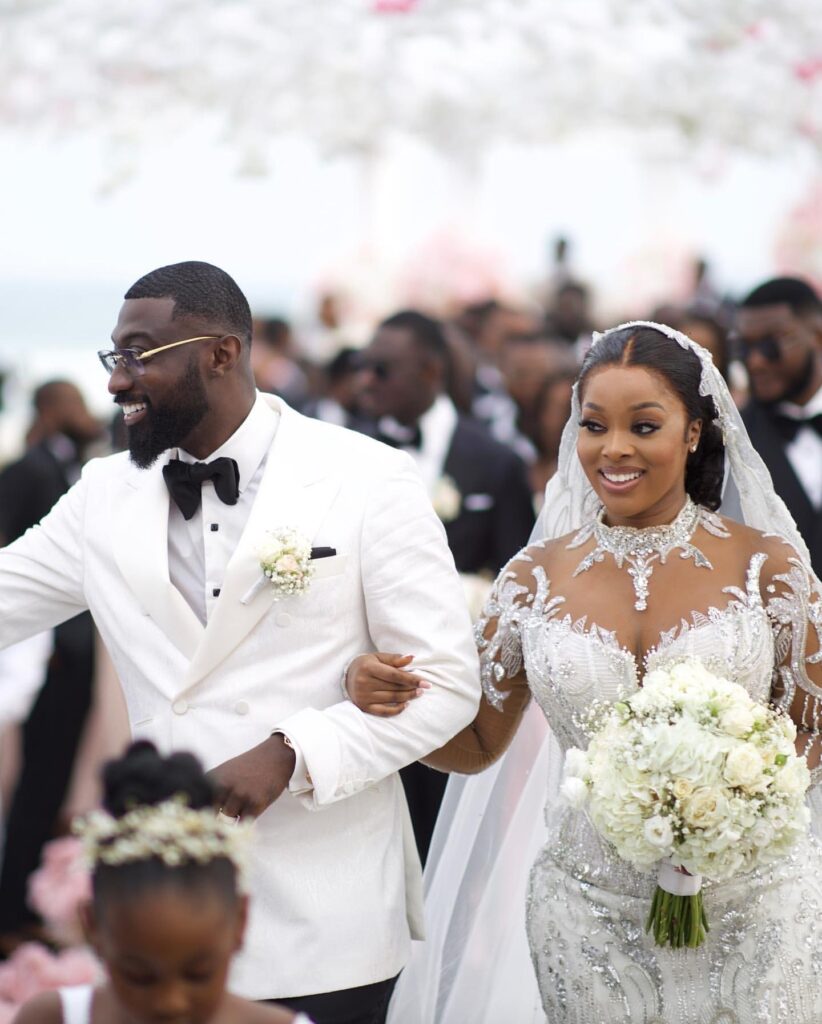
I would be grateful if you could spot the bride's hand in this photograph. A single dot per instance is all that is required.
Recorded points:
(381, 684)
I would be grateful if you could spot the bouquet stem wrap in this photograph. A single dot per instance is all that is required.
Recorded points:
(677, 916)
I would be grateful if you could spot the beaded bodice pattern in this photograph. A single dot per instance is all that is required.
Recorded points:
(586, 908)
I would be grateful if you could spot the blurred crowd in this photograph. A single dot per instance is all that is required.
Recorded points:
(478, 398)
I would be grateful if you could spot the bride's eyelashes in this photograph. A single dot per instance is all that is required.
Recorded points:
(643, 427)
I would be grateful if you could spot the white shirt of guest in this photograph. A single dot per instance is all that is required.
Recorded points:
(199, 549)
(437, 426)
(805, 451)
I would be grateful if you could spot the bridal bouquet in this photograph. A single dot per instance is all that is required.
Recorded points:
(693, 777)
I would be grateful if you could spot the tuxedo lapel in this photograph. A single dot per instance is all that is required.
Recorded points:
(295, 491)
(770, 446)
(141, 552)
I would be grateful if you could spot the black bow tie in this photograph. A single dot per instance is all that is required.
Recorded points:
(788, 427)
(184, 481)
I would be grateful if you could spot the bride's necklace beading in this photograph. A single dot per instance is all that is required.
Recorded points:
(642, 548)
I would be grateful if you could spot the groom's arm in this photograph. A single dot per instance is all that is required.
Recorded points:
(414, 604)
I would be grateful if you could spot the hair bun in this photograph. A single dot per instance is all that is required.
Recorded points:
(143, 777)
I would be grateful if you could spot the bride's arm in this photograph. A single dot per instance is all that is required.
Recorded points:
(793, 600)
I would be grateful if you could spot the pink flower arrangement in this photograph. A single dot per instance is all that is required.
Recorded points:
(32, 969)
(59, 887)
(394, 6)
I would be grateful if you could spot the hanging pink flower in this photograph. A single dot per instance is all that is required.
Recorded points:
(32, 969)
(808, 70)
(59, 886)
(393, 6)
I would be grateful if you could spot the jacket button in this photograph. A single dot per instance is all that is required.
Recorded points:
(179, 707)
(242, 707)
(282, 619)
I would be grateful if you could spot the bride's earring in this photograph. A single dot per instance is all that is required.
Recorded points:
(694, 446)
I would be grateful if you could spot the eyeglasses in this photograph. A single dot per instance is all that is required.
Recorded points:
(133, 361)
(381, 368)
(770, 348)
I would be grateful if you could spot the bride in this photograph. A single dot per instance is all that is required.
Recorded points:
(631, 567)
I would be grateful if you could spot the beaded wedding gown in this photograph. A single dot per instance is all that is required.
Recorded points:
(506, 839)
(586, 908)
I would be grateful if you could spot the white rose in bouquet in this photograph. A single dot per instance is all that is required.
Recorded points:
(691, 773)
(744, 768)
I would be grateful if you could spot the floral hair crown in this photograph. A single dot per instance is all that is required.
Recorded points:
(170, 831)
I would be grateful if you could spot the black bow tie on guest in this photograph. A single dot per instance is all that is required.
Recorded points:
(788, 427)
(184, 481)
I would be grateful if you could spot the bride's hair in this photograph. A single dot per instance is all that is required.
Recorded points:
(682, 370)
(160, 797)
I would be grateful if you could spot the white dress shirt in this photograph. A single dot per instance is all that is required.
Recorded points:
(805, 451)
(199, 548)
(437, 427)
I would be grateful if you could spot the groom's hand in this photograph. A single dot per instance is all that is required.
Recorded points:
(249, 783)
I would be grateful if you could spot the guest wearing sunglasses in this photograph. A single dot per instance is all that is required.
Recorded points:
(779, 338)
(479, 488)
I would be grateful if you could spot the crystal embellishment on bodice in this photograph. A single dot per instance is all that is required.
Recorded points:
(641, 549)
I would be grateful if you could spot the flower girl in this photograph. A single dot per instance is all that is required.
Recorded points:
(167, 911)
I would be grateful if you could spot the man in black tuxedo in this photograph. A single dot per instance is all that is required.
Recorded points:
(28, 489)
(779, 334)
(479, 487)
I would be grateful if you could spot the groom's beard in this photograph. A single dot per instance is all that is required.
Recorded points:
(167, 426)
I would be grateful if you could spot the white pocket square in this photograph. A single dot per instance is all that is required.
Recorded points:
(477, 502)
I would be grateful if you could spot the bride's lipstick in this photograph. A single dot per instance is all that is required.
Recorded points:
(620, 481)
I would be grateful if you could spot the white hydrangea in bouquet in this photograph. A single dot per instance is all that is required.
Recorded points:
(692, 777)
(285, 558)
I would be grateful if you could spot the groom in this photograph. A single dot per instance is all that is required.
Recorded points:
(161, 544)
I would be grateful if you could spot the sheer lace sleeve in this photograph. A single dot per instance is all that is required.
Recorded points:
(793, 600)
(504, 686)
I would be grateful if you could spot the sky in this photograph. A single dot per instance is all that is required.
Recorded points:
(77, 231)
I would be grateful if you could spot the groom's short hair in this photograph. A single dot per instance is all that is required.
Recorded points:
(784, 291)
(199, 290)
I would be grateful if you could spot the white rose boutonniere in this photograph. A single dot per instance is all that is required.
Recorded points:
(285, 558)
(446, 499)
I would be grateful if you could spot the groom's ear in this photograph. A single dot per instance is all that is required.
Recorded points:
(225, 354)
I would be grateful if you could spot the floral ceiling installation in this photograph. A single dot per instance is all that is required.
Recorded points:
(459, 74)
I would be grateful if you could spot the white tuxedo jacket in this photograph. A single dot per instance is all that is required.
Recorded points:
(334, 878)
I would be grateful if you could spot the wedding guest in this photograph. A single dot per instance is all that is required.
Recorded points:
(62, 430)
(276, 370)
(779, 333)
(167, 543)
(552, 409)
(569, 316)
(339, 403)
(478, 487)
(526, 362)
(168, 911)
